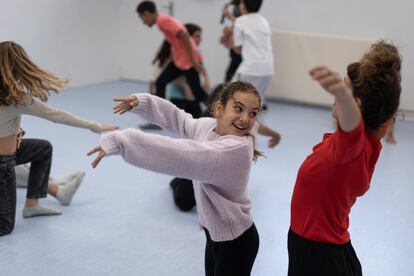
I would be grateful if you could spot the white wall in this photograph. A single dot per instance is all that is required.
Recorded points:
(297, 52)
(100, 40)
(72, 38)
(364, 19)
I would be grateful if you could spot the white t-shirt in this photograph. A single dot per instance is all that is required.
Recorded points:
(252, 32)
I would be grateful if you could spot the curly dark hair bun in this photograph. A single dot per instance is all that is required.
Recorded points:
(376, 81)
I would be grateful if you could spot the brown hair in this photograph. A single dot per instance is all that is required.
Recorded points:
(224, 92)
(376, 81)
(163, 54)
(19, 75)
(192, 28)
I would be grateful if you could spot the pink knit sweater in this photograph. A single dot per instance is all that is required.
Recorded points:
(219, 165)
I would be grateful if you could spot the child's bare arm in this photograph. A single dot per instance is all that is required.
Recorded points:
(184, 36)
(266, 131)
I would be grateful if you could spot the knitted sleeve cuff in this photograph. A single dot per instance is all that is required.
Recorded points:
(109, 143)
(143, 105)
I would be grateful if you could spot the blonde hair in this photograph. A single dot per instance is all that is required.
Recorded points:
(19, 75)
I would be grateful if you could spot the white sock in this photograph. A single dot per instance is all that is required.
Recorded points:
(65, 192)
(22, 176)
(39, 210)
(62, 180)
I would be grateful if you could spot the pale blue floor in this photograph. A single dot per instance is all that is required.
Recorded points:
(123, 220)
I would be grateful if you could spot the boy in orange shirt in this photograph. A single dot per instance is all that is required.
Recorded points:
(185, 55)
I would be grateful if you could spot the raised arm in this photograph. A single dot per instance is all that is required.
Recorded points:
(161, 112)
(206, 79)
(346, 109)
(185, 38)
(36, 108)
(238, 37)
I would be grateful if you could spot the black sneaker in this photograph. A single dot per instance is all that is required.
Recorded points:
(149, 127)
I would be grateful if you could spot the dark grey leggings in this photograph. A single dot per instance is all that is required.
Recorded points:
(39, 154)
(7, 193)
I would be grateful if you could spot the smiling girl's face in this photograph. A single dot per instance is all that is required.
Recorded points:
(238, 115)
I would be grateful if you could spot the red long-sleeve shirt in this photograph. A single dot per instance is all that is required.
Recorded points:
(328, 183)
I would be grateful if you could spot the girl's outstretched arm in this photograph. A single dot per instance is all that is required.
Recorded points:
(160, 112)
(203, 161)
(33, 106)
(347, 110)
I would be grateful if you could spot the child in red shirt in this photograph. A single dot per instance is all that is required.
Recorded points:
(340, 167)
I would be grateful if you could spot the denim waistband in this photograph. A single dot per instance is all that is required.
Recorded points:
(7, 160)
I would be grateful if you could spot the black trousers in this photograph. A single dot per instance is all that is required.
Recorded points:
(312, 258)
(235, 60)
(39, 153)
(171, 72)
(183, 193)
(232, 258)
(192, 107)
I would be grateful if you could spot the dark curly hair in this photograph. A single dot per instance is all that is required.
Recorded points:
(376, 82)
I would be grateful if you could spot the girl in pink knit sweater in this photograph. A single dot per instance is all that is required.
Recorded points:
(217, 153)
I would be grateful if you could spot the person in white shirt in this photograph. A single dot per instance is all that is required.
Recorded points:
(253, 39)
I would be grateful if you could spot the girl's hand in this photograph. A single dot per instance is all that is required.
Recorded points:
(225, 12)
(98, 159)
(126, 104)
(20, 138)
(105, 127)
(197, 66)
(345, 110)
(274, 140)
(331, 81)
